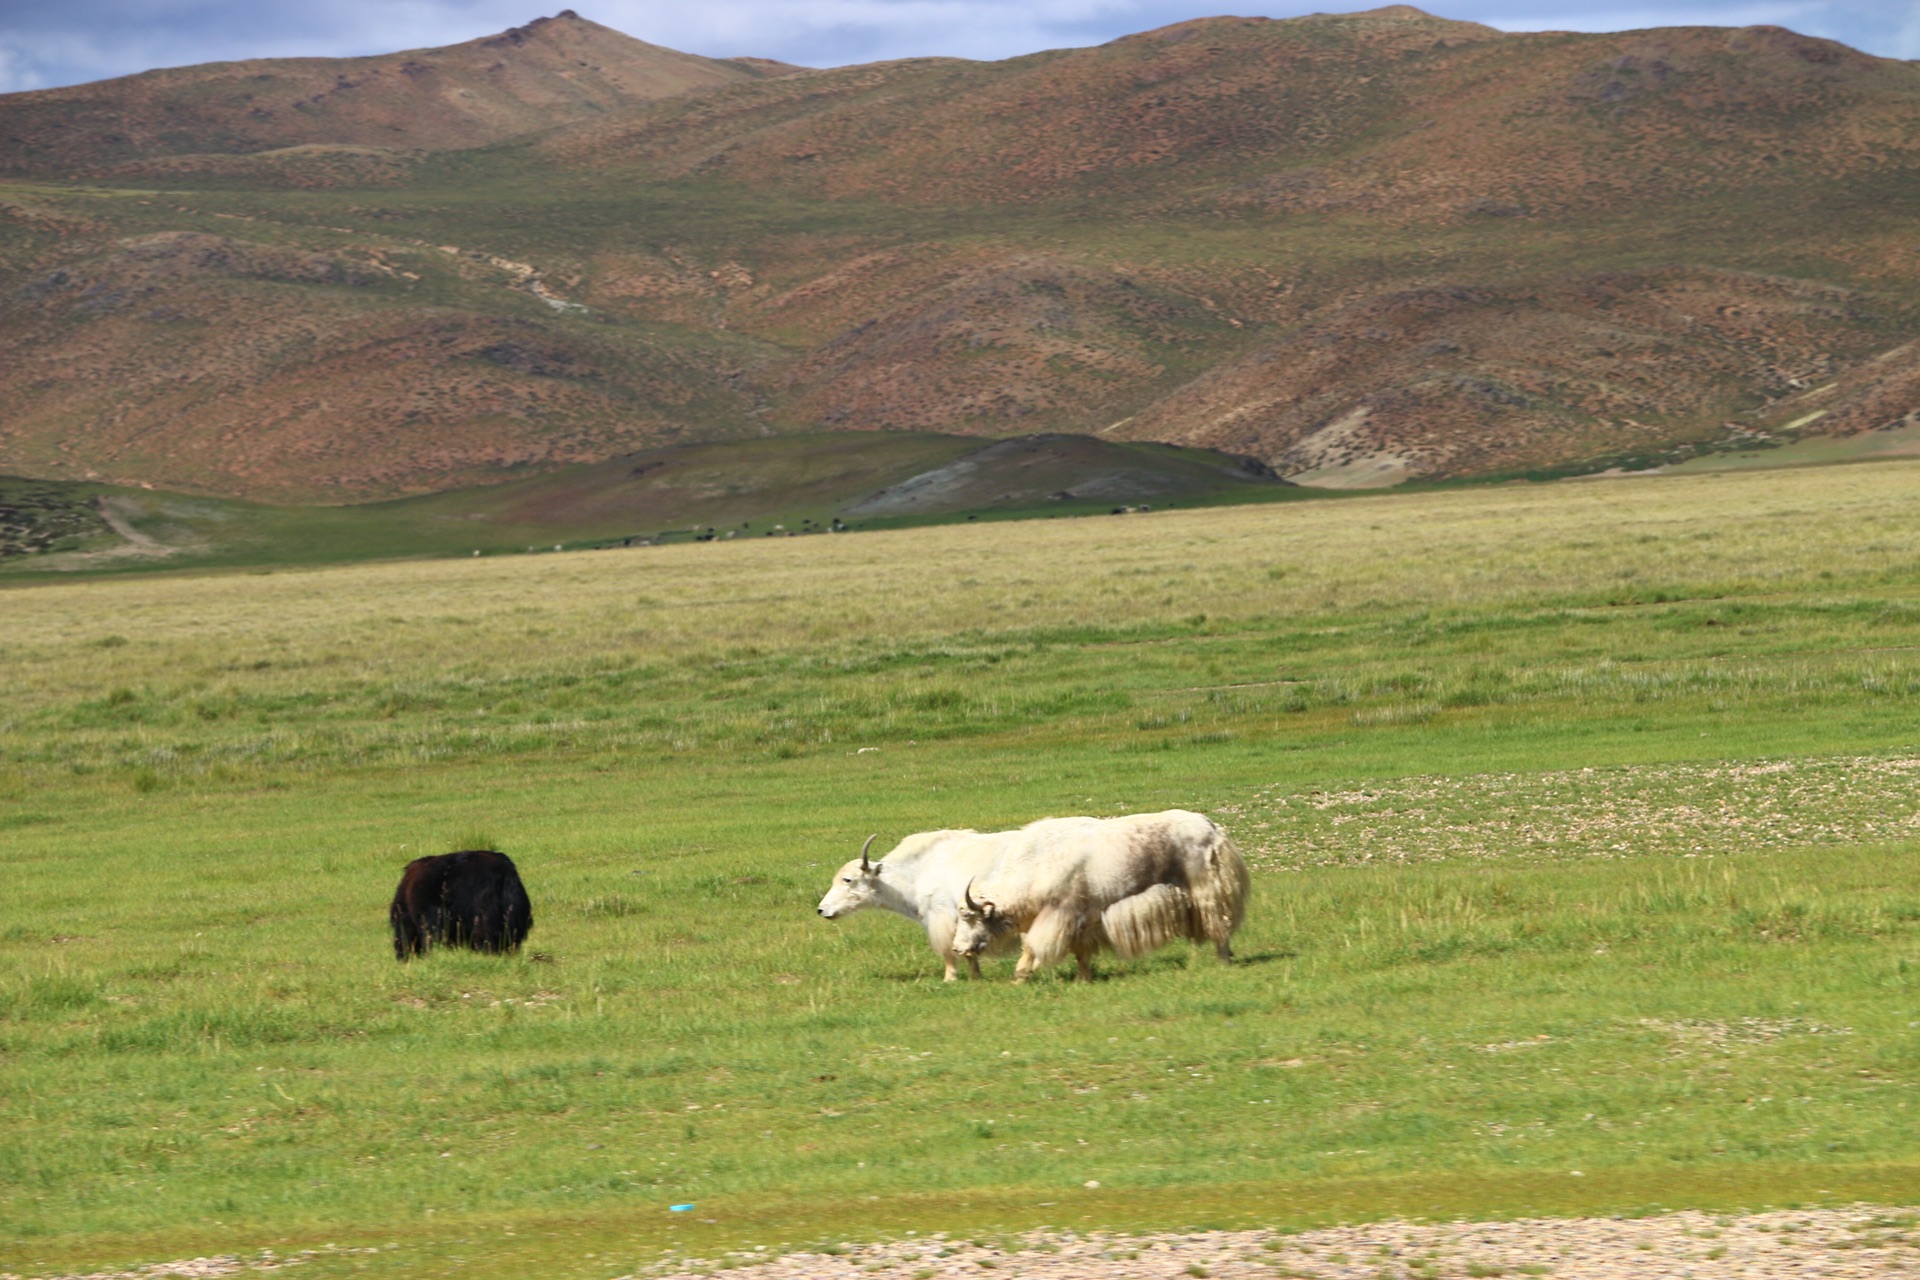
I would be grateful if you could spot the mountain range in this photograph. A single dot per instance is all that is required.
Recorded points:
(1360, 249)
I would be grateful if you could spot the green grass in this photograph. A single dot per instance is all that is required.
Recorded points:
(38, 517)
(1581, 818)
(730, 490)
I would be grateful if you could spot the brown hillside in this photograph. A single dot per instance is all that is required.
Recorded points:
(1391, 111)
(1462, 381)
(549, 72)
(127, 365)
(1004, 345)
(1361, 248)
(1203, 93)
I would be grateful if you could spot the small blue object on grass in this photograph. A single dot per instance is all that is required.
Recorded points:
(680, 1208)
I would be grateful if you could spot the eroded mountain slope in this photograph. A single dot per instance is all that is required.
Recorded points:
(1387, 112)
(1362, 248)
(207, 118)
(340, 378)
(1458, 380)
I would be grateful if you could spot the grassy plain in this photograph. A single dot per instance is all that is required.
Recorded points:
(1582, 814)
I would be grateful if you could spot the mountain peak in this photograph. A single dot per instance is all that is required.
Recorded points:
(549, 72)
(564, 19)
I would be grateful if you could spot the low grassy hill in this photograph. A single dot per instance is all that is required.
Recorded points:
(779, 486)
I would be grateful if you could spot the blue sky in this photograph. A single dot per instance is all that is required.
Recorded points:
(53, 42)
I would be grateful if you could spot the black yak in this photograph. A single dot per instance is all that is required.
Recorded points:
(469, 899)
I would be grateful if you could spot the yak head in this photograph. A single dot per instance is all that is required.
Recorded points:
(976, 925)
(855, 885)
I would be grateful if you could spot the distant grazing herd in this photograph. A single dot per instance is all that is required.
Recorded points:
(1054, 888)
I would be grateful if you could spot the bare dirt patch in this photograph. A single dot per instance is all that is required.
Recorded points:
(1860, 1241)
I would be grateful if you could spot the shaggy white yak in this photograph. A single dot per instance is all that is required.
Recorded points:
(1075, 885)
(922, 879)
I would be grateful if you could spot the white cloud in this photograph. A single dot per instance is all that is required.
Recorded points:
(1548, 17)
(1890, 28)
(838, 31)
(16, 72)
(1906, 39)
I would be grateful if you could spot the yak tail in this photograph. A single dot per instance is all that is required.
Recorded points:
(1220, 894)
(1148, 920)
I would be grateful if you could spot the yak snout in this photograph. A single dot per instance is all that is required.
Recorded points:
(971, 937)
(974, 927)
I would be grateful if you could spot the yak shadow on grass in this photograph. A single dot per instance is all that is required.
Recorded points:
(1112, 970)
(1263, 957)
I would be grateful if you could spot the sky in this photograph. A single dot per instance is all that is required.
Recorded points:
(44, 43)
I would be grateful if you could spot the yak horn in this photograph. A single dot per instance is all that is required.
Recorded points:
(864, 865)
(967, 896)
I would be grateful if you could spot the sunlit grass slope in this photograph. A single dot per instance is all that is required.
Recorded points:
(1582, 819)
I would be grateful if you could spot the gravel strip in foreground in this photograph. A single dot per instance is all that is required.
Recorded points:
(1863, 1241)
(1832, 1244)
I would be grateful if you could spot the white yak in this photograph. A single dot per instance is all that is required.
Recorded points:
(922, 879)
(1075, 885)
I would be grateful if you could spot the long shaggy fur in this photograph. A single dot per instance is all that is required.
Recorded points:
(473, 898)
(1053, 935)
(1080, 885)
(1148, 921)
(1220, 896)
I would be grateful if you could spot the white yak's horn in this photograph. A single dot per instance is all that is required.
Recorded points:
(864, 865)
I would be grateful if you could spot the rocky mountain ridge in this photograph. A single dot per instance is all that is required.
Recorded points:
(1363, 248)
(209, 119)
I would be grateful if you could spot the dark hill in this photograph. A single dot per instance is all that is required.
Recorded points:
(774, 487)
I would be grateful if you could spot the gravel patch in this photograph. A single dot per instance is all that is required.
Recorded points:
(191, 1268)
(1828, 1244)
(1672, 810)
(223, 1264)
(1862, 1241)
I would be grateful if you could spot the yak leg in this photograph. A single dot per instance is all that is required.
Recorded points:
(1045, 943)
(408, 941)
(1224, 949)
(1083, 949)
(1024, 969)
(953, 971)
(940, 936)
(413, 931)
